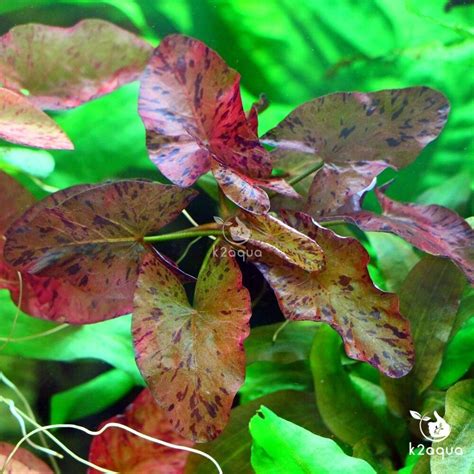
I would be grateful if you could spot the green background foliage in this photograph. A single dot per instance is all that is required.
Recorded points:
(292, 52)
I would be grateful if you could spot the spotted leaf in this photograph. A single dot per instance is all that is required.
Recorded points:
(344, 296)
(351, 130)
(275, 239)
(434, 229)
(192, 357)
(22, 123)
(23, 462)
(64, 67)
(120, 451)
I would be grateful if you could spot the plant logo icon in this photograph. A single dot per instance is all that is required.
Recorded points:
(438, 429)
(234, 230)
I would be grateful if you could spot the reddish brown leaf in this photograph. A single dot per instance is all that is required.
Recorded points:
(275, 238)
(348, 130)
(344, 296)
(23, 462)
(64, 67)
(21, 122)
(120, 451)
(434, 229)
(192, 357)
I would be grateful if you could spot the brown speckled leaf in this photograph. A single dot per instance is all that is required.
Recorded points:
(22, 123)
(434, 229)
(90, 238)
(120, 451)
(192, 357)
(23, 462)
(275, 238)
(351, 129)
(64, 67)
(344, 296)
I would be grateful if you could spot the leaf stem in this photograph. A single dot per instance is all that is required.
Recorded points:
(303, 175)
(183, 234)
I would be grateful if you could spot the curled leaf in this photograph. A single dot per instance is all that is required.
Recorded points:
(23, 462)
(22, 123)
(65, 67)
(343, 295)
(192, 357)
(121, 451)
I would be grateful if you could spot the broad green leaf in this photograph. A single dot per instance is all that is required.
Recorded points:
(124, 452)
(429, 298)
(263, 378)
(22, 123)
(91, 397)
(23, 462)
(38, 163)
(64, 67)
(460, 416)
(280, 446)
(192, 356)
(343, 296)
(342, 408)
(232, 447)
(293, 342)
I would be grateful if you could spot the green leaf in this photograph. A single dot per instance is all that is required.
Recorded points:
(429, 298)
(281, 447)
(91, 397)
(232, 447)
(460, 416)
(39, 163)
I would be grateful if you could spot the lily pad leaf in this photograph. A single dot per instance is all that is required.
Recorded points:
(22, 123)
(343, 295)
(23, 462)
(434, 229)
(65, 67)
(192, 357)
(274, 238)
(87, 240)
(280, 447)
(121, 451)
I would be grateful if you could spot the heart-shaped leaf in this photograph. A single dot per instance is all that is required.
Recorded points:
(64, 67)
(434, 229)
(21, 122)
(121, 451)
(91, 244)
(192, 357)
(344, 296)
(275, 238)
(23, 462)
(351, 131)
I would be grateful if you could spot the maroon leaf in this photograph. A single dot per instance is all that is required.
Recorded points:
(23, 462)
(121, 451)
(434, 229)
(64, 67)
(22, 123)
(349, 130)
(91, 244)
(344, 296)
(192, 356)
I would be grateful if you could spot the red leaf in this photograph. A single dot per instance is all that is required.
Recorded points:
(192, 357)
(120, 451)
(21, 122)
(65, 67)
(434, 229)
(23, 462)
(344, 296)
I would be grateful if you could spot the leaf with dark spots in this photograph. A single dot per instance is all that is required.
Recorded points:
(192, 110)
(357, 133)
(247, 192)
(343, 295)
(22, 123)
(120, 451)
(65, 67)
(23, 461)
(192, 357)
(275, 239)
(434, 229)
